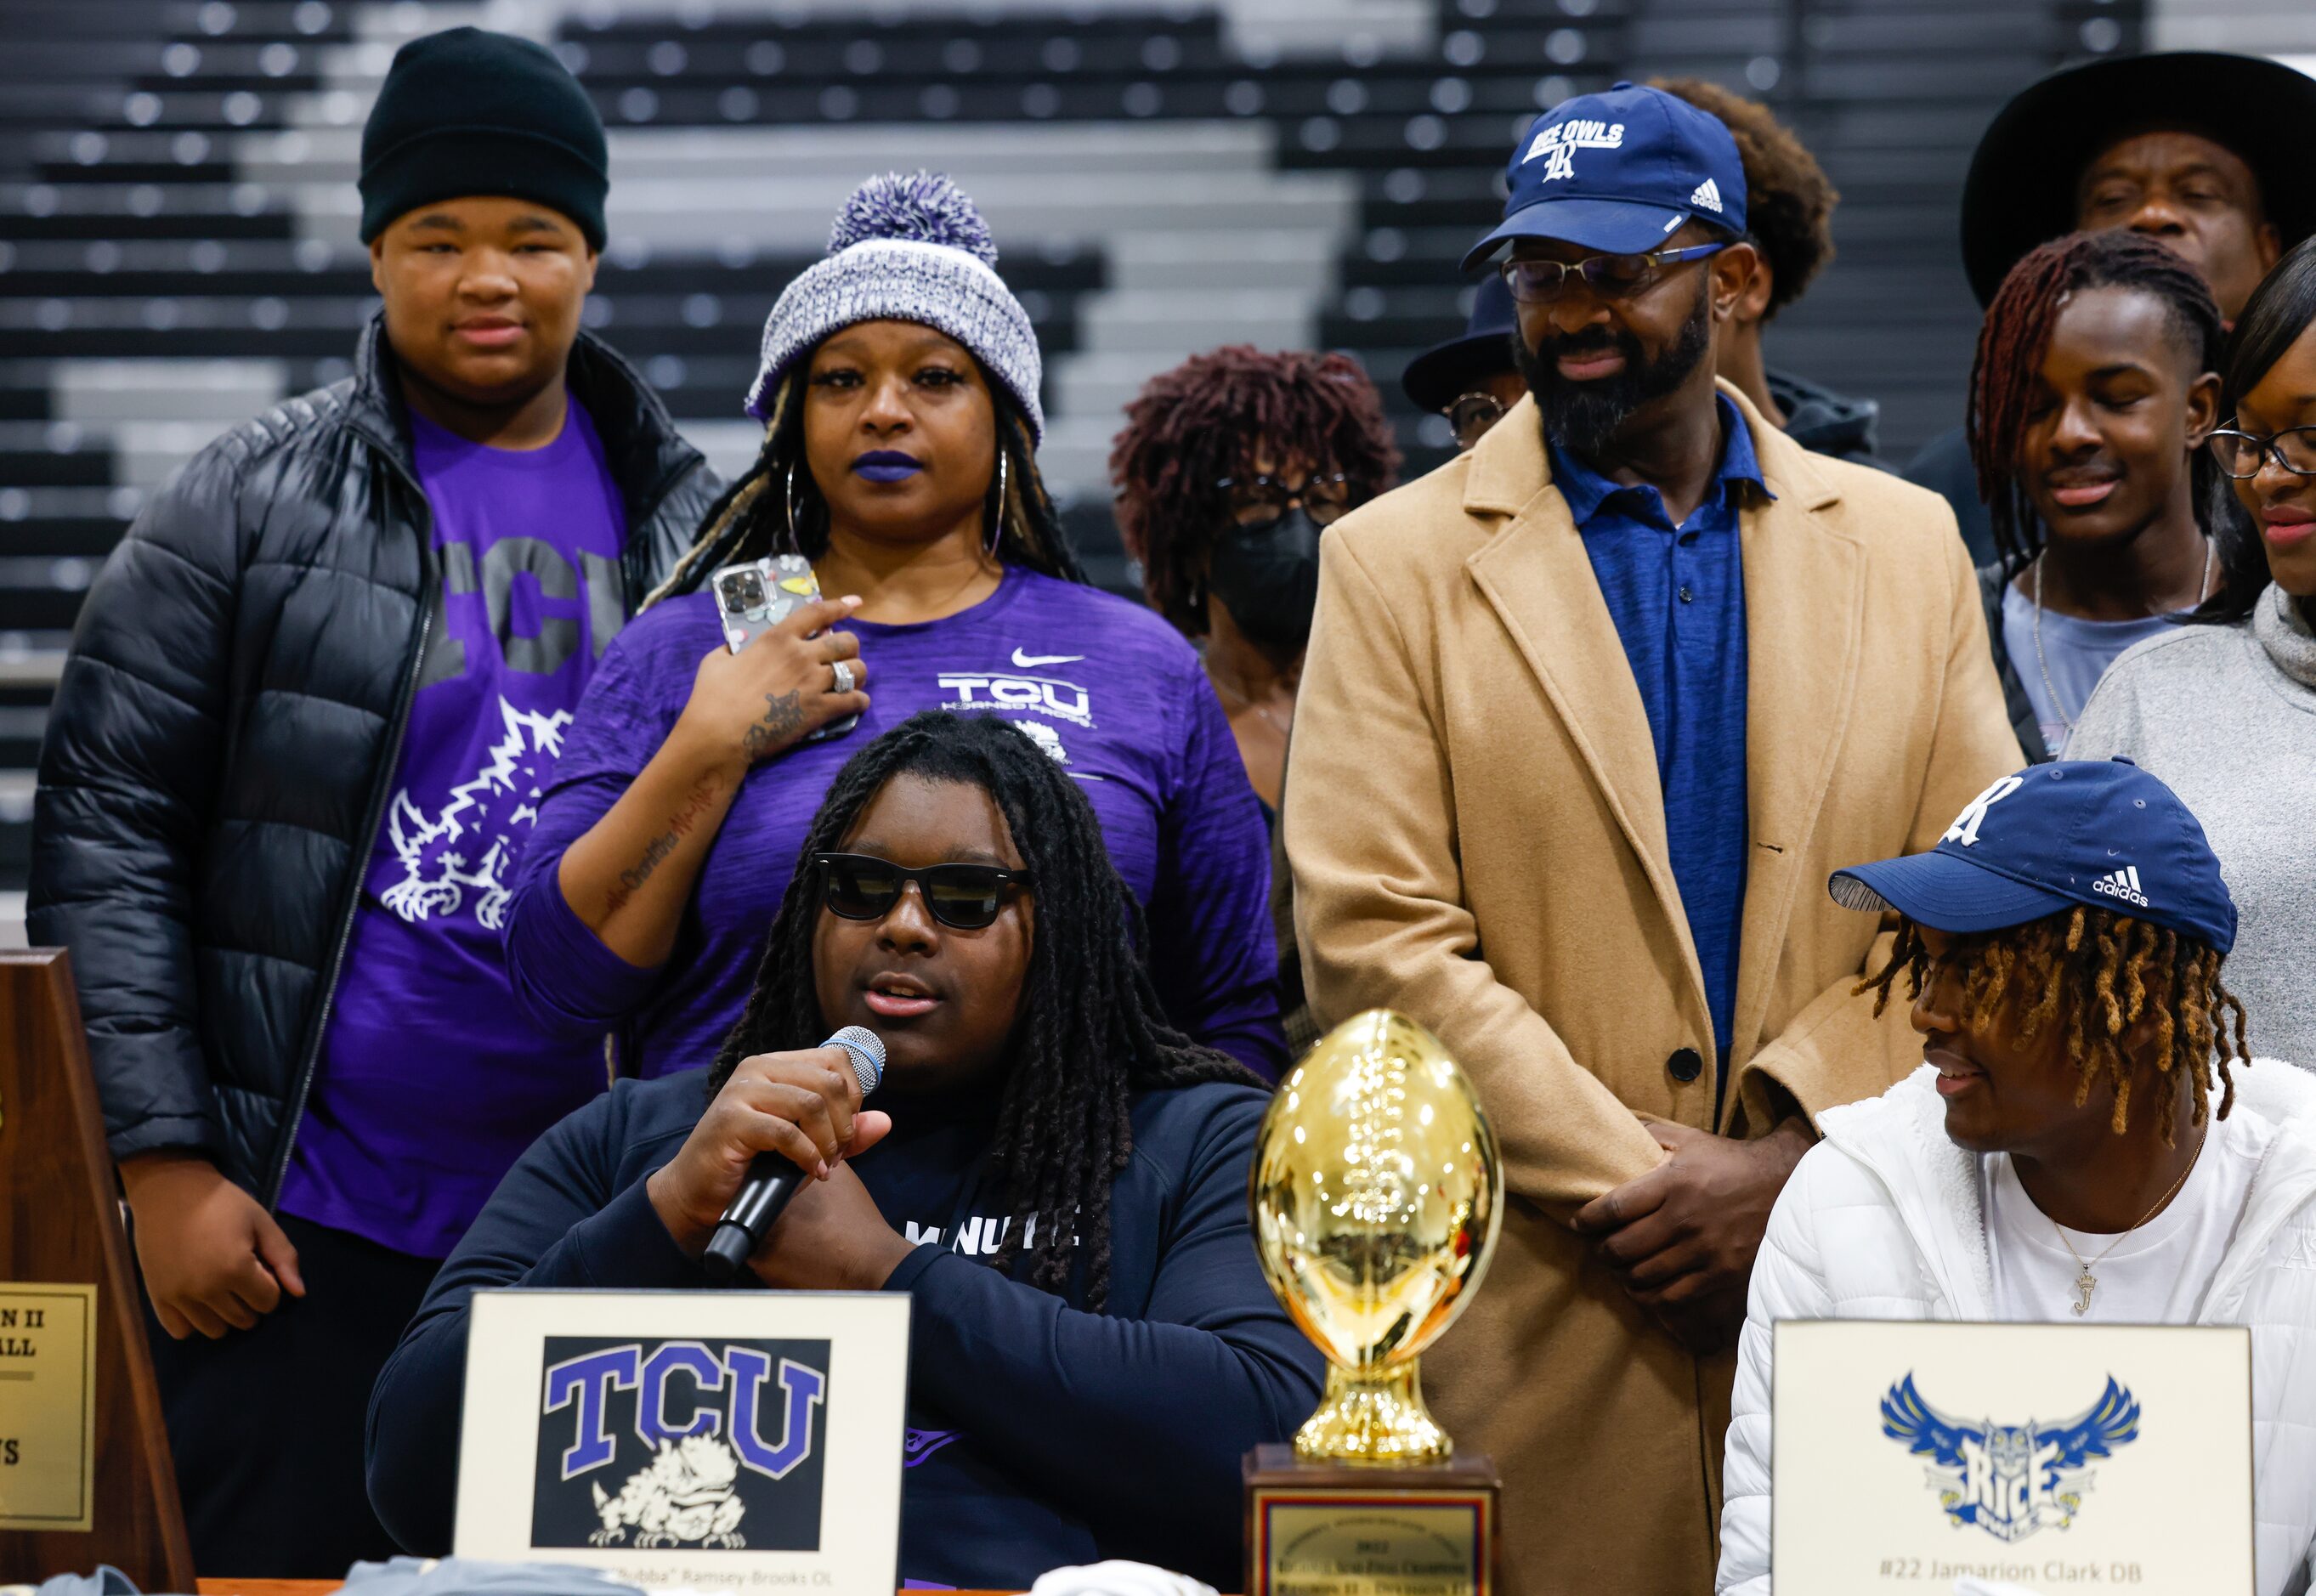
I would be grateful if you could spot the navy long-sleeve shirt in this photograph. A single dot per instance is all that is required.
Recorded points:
(1039, 1434)
(1108, 689)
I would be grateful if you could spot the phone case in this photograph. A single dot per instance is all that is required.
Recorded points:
(756, 595)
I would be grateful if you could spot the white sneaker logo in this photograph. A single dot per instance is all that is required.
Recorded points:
(1030, 662)
(2123, 883)
(1964, 830)
(1706, 196)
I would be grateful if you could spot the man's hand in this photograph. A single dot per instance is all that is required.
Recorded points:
(1683, 1237)
(805, 1106)
(831, 1238)
(213, 1258)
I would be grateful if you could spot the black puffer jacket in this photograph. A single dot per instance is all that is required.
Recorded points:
(226, 730)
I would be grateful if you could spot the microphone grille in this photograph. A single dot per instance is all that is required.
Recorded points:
(868, 1051)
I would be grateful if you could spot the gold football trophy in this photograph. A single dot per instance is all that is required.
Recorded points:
(1377, 1193)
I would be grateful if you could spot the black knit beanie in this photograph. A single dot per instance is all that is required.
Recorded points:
(469, 113)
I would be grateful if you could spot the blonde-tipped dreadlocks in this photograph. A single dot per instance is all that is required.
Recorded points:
(775, 508)
(2099, 973)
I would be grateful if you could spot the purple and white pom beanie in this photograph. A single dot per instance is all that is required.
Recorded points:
(908, 249)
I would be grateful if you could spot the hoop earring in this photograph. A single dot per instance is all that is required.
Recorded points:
(997, 520)
(788, 496)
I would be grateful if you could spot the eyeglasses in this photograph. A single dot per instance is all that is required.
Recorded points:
(2241, 454)
(1257, 501)
(965, 897)
(1613, 277)
(1471, 415)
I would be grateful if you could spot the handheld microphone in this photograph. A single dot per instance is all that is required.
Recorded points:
(772, 1179)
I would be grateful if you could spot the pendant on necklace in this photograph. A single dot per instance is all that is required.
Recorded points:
(2085, 1284)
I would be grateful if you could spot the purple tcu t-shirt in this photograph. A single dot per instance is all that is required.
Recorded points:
(1105, 687)
(432, 1081)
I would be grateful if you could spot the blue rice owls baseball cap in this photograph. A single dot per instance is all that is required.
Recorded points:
(1620, 172)
(2103, 834)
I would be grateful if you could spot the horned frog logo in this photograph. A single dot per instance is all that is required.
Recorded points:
(468, 844)
(2010, 1480)
(688, 1496)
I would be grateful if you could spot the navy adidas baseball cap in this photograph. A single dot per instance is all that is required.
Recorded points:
(2103, 834)
(1619, 172)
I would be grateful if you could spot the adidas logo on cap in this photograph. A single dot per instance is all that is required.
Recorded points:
(2123, 883)
(1707, 196)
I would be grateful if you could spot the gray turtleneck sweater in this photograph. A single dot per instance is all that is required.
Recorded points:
(2227, 716)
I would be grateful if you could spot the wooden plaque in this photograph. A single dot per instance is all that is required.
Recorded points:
(77, 1395)
(1354, 1529)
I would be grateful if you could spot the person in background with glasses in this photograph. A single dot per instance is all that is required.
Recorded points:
(1588, 716)
(1228, 469)
(1471, 380)
(1055, 1175)
(2224, 710)
(2096, 384)
(899, 392)
(1789, 219)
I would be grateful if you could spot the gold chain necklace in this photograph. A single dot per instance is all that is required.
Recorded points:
(2087, 1283)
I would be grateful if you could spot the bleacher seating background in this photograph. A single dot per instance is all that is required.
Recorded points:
(177, 209)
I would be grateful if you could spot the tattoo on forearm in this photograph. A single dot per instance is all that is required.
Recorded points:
(783, 718)
(679, 826)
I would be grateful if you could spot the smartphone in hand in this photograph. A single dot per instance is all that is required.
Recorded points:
(756, 595)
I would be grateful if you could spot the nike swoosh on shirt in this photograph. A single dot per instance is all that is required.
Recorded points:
(1030, 662)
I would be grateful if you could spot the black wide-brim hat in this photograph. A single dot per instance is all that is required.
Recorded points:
(2022, 185)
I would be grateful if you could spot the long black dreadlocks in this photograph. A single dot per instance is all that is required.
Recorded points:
(1091, 1029)
(774, 508)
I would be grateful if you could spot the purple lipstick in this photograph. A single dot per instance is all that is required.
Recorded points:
(887, 464)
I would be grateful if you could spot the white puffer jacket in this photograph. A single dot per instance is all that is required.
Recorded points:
(1883, 1220)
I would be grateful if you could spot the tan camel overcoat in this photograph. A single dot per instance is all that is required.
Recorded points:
(1477, 834)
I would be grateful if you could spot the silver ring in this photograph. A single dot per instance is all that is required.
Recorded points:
(844, 670)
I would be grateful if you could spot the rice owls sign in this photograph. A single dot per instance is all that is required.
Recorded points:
(701, 1445)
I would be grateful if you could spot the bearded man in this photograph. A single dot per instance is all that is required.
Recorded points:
(1590, 714)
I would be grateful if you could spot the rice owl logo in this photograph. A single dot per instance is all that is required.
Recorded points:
(2010, 1480)
(683, 1444)
(1559, 143)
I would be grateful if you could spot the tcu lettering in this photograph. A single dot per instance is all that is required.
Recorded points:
(662, 1414)
(1057, 699)
(1965, 829)
(543, 653)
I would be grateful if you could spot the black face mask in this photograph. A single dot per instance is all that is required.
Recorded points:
(1268, 577)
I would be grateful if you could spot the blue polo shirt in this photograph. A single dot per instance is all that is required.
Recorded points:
(1678, 597)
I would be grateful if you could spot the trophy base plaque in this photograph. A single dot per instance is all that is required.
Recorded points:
(1316, 1528)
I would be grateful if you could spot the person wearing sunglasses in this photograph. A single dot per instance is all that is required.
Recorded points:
(1471, 380)
(1587, 713)
(2224, 709)
(899, 392)
(1055, 1175)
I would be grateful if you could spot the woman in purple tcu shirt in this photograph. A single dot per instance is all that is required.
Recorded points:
(899, 393)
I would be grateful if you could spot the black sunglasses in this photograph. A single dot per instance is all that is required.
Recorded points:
(964, 896)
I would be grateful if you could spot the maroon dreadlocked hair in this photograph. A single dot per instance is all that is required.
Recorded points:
(2017, 336)
(1204, 420)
